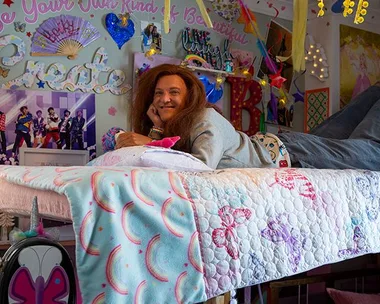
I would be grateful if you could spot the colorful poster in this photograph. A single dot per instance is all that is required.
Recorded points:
(43, 119)
(279, 46)
(359, 62)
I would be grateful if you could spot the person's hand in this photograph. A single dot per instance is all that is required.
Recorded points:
(154, 117)
(130, 139)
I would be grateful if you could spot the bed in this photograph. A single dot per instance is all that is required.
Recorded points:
(186, 237)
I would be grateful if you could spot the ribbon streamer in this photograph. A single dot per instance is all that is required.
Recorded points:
(204, 13)
(166, 16)
(300, 8)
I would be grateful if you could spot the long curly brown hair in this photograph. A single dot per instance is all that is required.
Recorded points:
(181, 124)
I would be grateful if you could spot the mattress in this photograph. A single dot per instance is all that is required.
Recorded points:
(17, 200)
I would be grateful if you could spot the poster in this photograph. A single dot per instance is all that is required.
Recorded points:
(359, 62)
(279, 44)
(150, 33)
(43, 119)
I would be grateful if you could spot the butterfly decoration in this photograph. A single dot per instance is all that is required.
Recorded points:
(24, 289)
(19, 27)
(226, 236)
(4, 72)
(40, 277)
(368, 185)
(288, 178)
(278, 233)
(360, 244)
(258, 270)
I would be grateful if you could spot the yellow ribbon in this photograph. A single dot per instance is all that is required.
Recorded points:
(204, 13)
(166, 16)
(300, 8)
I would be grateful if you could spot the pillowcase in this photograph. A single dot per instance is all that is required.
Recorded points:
(143, 156)
(346, 297)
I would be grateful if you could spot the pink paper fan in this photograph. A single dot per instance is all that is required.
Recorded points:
(63, 35)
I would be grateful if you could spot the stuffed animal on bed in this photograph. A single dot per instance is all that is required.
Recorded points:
(109, 140)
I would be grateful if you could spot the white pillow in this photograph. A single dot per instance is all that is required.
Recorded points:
(143, 156)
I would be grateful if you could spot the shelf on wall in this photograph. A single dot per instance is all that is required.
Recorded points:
(195, 68)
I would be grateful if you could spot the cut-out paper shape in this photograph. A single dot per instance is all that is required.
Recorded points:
(4, 72)
(80, 77)
(8, 2)
(227, 9)
(41, 84)
(63, 35)
(20, 49)
(195, 60)
(120, 34)
(19, 27)
(112, 111)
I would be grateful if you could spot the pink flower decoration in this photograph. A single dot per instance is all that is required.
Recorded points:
(112, 111)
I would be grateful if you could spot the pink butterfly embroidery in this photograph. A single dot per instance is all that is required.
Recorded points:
(287, 178)
(226, 236)
(25, 291)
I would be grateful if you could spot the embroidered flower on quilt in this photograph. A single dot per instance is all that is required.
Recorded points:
(226, 236)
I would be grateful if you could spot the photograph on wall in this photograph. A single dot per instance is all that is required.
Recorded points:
(151, 33)
(45, 119)
(242, 58)
(279, 45)
(359, 62)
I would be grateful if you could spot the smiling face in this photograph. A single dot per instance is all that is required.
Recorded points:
(169, 96)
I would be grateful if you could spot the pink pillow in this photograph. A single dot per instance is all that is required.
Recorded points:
(346, 297)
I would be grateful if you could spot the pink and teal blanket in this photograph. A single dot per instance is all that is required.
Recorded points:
(157, 236)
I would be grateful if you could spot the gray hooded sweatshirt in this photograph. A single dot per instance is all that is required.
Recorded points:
(215, 141)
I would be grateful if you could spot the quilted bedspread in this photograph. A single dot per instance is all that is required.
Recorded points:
(157, 236)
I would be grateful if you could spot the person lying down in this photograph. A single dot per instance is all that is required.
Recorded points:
(171, 101)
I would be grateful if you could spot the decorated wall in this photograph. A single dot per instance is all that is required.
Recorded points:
(108, 57)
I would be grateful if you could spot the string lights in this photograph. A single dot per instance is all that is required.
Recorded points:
(316, 55)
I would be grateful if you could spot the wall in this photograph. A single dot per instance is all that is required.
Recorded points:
(326, 31)
(27, 11)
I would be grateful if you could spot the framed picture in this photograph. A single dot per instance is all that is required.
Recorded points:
(317, 108)
(53, 157)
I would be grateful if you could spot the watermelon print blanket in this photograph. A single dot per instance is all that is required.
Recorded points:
(157, 236)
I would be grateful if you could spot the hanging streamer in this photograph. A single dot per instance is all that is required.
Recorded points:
(204, 13)
(166, 16)
(300, 8)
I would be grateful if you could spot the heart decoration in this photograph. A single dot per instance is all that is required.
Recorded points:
(228, 9)
(119, 33)
(213, 93)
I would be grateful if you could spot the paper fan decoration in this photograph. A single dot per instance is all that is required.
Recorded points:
(63, 35)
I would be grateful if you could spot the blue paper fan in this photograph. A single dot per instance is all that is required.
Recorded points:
(63, 35)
